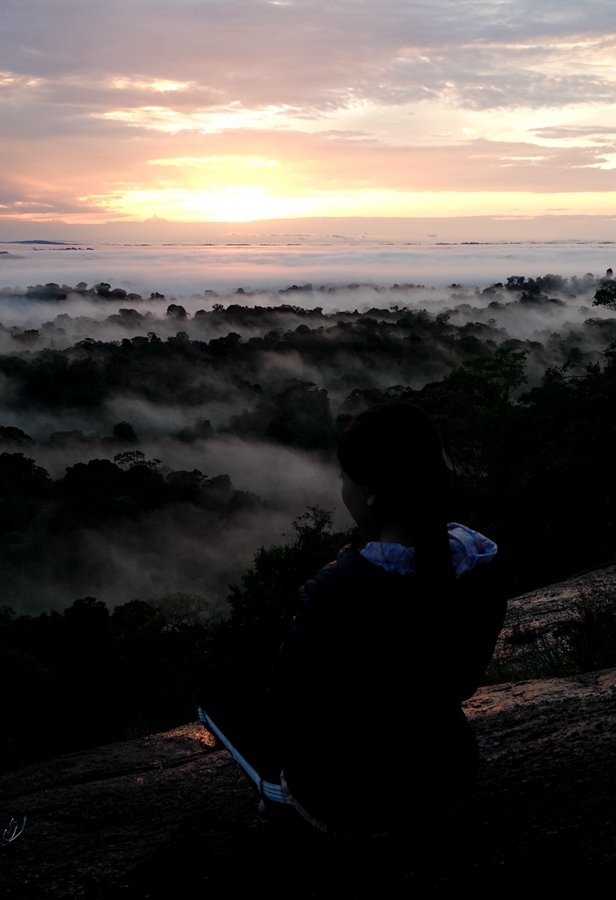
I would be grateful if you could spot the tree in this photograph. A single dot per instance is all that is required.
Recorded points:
(267, 598)
(302, 417)
(125, 432)
(11, 435)
(131, 458)
(504, 370)
(177, 611)
(606, 296)
(175, 311)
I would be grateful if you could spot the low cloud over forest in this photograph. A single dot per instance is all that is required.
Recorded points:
(149, 448)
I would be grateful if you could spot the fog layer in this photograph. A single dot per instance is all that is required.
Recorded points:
(217, 416)
(182, 270)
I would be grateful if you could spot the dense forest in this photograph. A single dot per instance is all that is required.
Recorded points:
(528, 427)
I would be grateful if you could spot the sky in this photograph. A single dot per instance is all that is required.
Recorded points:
(236, 110)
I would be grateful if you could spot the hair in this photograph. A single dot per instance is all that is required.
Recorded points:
(396, 451)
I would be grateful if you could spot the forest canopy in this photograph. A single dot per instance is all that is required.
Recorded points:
(104, 496)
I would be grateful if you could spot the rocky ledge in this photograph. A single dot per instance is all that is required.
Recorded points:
(172, 813)
(539, 623)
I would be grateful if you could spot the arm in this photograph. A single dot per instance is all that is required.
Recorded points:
(482, 609)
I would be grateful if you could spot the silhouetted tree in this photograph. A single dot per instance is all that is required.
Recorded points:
(125, 433)
(606, 296)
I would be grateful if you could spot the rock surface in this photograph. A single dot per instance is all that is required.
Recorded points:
(545, 615)
(173, 813)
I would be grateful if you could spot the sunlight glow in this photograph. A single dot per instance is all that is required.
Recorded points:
(171, 121)
(237, 203)
(240, 162)
(159, 85)
(13, 80)
(242, 203)
(610, 162)
(261, 109)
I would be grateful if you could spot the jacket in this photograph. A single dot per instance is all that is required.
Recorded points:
(370, 681)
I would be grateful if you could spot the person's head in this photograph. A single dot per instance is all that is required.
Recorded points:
(394, 472)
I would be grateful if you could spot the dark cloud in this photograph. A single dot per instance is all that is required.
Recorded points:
(568, 132)
(315, 55)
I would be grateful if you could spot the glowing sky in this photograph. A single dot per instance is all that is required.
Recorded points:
(233, 110)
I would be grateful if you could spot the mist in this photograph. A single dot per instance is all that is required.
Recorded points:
(63, 314)
(241, 390)
(184, 270)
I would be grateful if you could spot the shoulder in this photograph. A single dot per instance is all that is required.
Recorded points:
(324, 602)
(337, 576)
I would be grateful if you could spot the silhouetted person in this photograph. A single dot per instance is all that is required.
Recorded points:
(361, 727)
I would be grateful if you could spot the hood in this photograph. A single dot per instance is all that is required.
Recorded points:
(468, 549)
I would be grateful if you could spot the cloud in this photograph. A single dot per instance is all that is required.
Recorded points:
(575, 132)
(107, 109)
(284, 174)
(313, 56)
